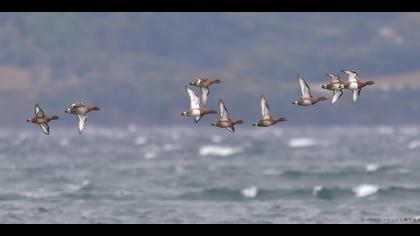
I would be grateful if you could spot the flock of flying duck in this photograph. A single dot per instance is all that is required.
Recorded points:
(336, 85)
(197, 109)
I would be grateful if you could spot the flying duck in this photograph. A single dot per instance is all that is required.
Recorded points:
(204, 85)
(224, 121)
(42, 120)
(336, 85)
(307, 99)
(267, 119)
(81, 109)
(195, 110)
(355, 84)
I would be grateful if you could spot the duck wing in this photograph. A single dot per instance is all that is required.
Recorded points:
(194, 101)
(38, 111)
(306, 91)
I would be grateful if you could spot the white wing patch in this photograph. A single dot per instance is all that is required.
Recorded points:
(335, 78)
(353, 76)
(231, 129)
(337, 96)
(195, 102)
(45, 128)
(205, 95)
(265, 109)
(38, 111)
(82, 122)
(197, 118)
(224, 113)
(356, 94)
(306, 92)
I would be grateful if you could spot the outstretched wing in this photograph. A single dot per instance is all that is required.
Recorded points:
(197, 119)
(265, 109)
(231, 129)
(195, 102)
(337, 96)
(224, 113)
(353, 76)
(306, 91)
(38, 111)
(205, 95)
(82, 122)
(334, 78)
(45, 128)
(356, 94)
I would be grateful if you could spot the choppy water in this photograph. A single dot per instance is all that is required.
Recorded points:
(206, 175)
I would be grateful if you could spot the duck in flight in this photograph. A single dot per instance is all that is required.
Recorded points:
(42, 120)
(80, 109)
(267, 119)
(204, 85)
(336, 86)
(224, 121)
(196, 111)
(307, 99)
(355, 84)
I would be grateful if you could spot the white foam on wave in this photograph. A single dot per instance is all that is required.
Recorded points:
(218, 151)
(414, 144)
(317, 190)
(365, 190)
(140, 141)
(371, 168)
(78, 187)
(150, 155)
(250, 192)
(305, 142)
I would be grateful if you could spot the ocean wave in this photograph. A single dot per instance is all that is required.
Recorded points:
(372, 168)
(218, 151)
(365, 190)
(414, 144)
(305, 142)
(250, 192)
(319, 192)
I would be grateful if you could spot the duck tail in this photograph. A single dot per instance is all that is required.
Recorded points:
(281, 119)
(96, 108)
(218, 81)
(239, 122)
(54, 118)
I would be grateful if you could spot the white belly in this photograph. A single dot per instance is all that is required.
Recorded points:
(306, 102)
(354, 86)
(195, 113)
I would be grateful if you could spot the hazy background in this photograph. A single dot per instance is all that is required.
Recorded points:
(135, 65)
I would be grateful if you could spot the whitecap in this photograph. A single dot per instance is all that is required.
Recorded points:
(317, 190)
(218, 151)
(371, 168)
(78, 187)
(140, 141)
(302, 142)
(365, 190)
(250, 192)
(414, 144)
(150, 155)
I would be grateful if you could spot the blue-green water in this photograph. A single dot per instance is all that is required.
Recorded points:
(203, 174)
